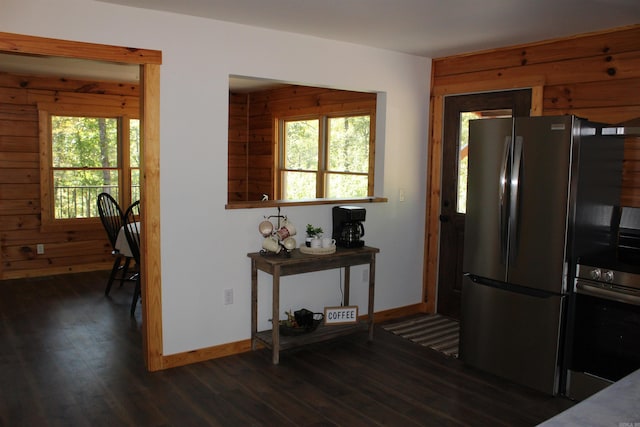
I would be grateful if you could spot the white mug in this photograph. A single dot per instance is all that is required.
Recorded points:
(316, 243)
(328, 242)
(289, 243)
(271, 244)
(265, 227)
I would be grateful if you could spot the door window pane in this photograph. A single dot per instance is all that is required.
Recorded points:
(463, 150)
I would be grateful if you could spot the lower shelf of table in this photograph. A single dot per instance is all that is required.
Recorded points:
(323, 333)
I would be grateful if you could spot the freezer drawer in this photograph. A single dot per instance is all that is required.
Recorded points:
(512, 335)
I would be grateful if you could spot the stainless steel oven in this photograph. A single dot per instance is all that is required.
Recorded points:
(604, 340)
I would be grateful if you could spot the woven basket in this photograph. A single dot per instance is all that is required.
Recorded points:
(291, 331)
(318, 251)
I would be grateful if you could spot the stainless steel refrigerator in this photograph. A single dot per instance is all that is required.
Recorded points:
(541, 192)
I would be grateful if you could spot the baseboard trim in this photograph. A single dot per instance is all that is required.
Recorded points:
(204, 354)
(54, 271)
(230, 349)
(396, 313)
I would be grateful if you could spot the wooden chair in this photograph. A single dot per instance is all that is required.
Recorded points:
(112, 219)
(132, 232)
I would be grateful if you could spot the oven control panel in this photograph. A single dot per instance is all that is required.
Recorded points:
(607, 276)
(598, 275)
(608, 284)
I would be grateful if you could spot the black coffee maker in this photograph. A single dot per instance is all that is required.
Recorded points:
(347, 226)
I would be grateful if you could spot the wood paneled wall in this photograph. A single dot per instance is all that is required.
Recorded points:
(595, 76)
(261, 110)
(66, 250)
(238, 130)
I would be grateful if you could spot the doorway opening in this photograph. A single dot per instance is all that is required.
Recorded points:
(458, 110)
(147, 62)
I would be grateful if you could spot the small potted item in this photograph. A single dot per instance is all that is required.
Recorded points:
(313, 233)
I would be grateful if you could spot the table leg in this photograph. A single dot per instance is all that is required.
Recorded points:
(254, 304)
(372, 281)
(347, 281)
(275, 317)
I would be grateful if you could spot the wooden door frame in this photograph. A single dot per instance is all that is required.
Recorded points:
(434, 167)
(149, 62)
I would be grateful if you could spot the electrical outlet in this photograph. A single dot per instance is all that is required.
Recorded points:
(228, 296)
(401, 195)
(39, 248)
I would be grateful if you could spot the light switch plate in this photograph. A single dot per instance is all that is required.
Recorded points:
(228, 296)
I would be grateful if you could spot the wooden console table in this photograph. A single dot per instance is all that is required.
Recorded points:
(297, 263)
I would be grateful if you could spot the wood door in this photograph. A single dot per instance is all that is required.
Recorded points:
(458, 110)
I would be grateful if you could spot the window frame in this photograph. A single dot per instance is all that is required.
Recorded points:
(47, 201)
(323, 146)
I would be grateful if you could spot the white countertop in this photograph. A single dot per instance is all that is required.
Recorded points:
(618, 405)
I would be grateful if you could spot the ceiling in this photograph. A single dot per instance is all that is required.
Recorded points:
(431, 28)
(68, 68)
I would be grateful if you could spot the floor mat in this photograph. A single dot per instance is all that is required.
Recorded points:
(431, 330)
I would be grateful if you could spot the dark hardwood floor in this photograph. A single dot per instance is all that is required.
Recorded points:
(69, 356)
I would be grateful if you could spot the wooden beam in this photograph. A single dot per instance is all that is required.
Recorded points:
(16, 43)
(434, 187)
(150, 204)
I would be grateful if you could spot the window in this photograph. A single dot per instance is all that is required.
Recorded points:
(325, 157)
(463, 150)
(85, 154)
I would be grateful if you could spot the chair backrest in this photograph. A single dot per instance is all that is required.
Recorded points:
(110, 215)
(132, 229)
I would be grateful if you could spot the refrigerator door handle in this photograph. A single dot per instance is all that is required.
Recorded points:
(516, 176)
(504, 202)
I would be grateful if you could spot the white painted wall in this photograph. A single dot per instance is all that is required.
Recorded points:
(204, 246)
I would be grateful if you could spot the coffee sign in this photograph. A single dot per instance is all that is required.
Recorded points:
(340, 315)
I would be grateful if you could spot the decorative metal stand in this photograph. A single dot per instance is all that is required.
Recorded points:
(282, 219)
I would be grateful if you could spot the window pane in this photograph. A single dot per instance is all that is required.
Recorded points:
(349, 144)
(134, 143)
(345, 186)
(134, 158)
(463, 150)
(76, 191)
(84, 142)
(299, 185)
(301, 145)
(135, 185)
